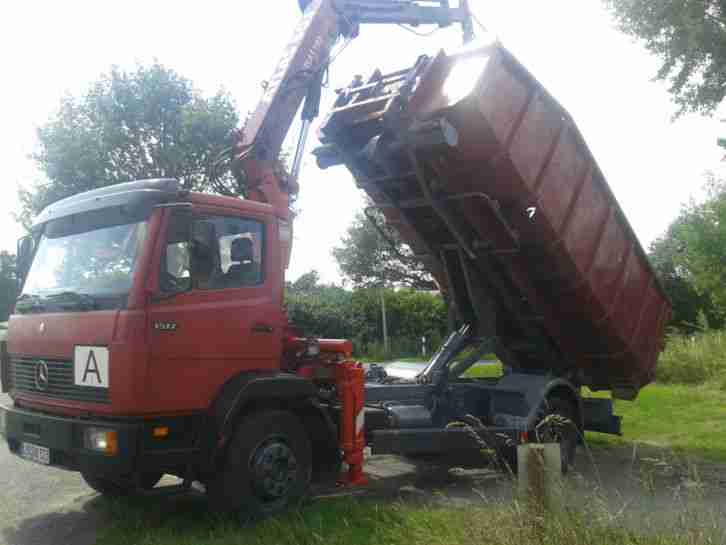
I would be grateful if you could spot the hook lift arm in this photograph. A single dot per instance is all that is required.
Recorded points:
(300, 72)
(405, 12)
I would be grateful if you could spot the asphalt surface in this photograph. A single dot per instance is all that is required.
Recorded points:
(40, 505)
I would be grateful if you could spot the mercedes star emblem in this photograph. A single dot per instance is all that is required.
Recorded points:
(41, 375)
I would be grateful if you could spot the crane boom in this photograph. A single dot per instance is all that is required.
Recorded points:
(301, 65)
(300, 71)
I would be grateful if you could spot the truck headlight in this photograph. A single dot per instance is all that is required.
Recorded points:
(101, 440)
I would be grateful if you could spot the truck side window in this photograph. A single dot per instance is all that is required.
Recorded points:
(239, 253)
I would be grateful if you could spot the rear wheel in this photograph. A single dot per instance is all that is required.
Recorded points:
(267, 468)
(558, 424)
(123, 485)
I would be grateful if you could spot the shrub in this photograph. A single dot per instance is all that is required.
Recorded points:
(330, 311)
(694, 359)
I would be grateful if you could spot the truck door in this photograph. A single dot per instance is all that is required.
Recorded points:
(226, 315)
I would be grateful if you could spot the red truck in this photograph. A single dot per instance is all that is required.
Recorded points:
(150, 336)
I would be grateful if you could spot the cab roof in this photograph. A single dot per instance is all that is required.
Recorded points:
(140, 193)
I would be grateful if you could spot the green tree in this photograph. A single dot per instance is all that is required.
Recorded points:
(667, 256)
(306, 283)
(689, 36)
(702, 228)
(319, 310)
(8, 284)
(369, 258)
(147, 123)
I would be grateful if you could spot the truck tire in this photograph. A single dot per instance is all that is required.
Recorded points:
(558, 425)
(267, 467)
(121, 486)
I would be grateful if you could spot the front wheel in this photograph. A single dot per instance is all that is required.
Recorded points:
(268, 466)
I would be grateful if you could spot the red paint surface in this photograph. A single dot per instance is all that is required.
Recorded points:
(161, 372)
(607, 320)
(579, 267)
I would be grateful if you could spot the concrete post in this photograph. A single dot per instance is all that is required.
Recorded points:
(539, 475)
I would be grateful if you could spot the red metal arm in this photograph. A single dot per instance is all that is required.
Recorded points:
(304, 58)
(299, 74)
(300, 69)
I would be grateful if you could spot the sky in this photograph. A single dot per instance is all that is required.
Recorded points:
(602, 77)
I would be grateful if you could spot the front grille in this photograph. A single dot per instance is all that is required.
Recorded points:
(60, 381)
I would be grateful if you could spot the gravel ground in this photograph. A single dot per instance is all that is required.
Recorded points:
(642, 487)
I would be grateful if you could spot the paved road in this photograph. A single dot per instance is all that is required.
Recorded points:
(40, 506)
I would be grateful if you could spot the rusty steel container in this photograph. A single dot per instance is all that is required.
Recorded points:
(490, 182)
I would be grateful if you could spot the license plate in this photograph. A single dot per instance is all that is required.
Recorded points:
(34, 453)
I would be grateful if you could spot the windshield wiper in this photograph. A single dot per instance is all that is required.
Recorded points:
(29, 302)
(82, 301)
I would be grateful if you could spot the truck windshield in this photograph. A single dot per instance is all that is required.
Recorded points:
(83, 270)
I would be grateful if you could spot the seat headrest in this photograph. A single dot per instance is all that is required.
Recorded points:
(241, 250)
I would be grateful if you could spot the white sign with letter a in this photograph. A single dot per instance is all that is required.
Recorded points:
(90, 365)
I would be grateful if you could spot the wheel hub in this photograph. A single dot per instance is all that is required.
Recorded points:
(273, 467)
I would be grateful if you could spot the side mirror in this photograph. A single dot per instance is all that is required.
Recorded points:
(204, 237)
(175, 271)
(26, 246)
(180, 225)
(204, 253)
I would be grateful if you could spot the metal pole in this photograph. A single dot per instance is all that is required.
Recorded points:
(386, 347)
(300, 150)
(467, 24)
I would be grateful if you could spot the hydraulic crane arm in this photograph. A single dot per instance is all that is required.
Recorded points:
(406, 12)
(301, 67)
(300, 71)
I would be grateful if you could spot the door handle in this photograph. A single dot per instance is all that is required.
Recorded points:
(262, 328)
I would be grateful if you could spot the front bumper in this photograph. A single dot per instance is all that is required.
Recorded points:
(137, 451)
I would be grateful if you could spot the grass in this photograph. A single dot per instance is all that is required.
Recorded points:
(686, 408)
(685, 411)
(490, 370)
(364, 522)
(689, 419)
